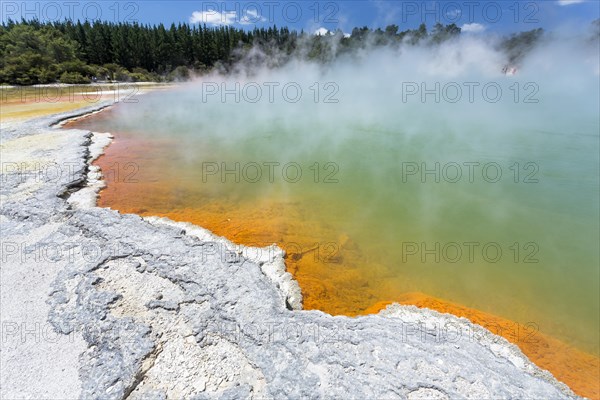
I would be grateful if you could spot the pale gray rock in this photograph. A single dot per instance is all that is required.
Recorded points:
(154, 309)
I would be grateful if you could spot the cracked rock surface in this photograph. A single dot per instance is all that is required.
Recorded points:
(100, 305)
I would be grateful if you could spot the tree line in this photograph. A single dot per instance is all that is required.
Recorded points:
(33, 52)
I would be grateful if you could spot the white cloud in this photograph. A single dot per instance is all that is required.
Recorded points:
(454, 14)
(474, 27)
(252, 17)
(321, 31)
(324, 32)
(213, 17)
(569, 2)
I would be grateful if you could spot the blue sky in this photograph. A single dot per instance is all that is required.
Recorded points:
(472, 15)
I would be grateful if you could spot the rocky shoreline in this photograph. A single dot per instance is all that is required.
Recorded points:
(147, 308)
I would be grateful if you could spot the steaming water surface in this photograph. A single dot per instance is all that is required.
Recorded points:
(363, 224)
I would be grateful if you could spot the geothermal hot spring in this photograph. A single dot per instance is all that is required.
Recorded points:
(508, 225)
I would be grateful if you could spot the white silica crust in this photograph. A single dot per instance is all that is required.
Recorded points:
(86, 196)
(147, 308)
(270, 259)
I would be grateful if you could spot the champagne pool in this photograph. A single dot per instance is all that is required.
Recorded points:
(490, 206)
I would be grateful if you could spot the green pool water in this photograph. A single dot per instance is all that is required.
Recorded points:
(438, 233)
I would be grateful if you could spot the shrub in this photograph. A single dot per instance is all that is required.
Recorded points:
(180, 73)
(73, 78)
(48, 75)
(122, 75)
(75, 66)
(138, 77)
(142, 75)
(112, 70)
